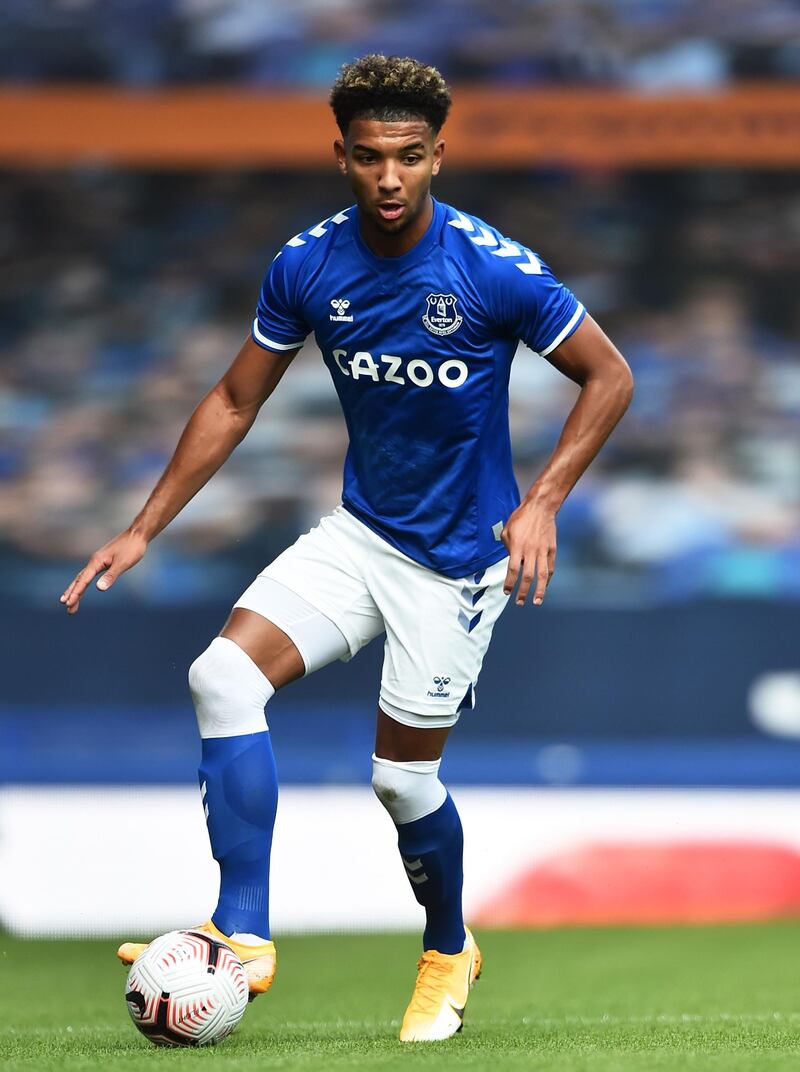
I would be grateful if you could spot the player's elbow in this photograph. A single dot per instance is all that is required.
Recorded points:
(624, 384)
(239, 413)
(616, 382)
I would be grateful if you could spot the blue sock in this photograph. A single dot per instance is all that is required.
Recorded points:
(239, 784)
(432, 850)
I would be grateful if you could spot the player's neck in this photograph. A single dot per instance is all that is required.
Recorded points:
(395, 245)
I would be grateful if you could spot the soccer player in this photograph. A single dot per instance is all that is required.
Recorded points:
(417, 308)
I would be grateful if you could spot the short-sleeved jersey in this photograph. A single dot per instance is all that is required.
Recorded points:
(420, 349)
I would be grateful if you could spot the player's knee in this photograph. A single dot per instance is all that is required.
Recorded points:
(410, 790)
(229, 691)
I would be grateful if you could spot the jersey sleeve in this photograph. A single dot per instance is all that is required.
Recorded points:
(531, 304)
(279, 323)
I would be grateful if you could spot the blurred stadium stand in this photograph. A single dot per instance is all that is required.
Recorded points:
(649, 45)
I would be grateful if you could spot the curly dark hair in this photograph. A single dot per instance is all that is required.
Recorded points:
(390, 89)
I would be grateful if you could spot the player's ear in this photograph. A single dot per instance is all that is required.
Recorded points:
(341, 155)
(438, 153)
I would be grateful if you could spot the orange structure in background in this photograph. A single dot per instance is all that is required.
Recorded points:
(750, 126)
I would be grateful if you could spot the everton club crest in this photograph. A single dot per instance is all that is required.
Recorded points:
(441, 317)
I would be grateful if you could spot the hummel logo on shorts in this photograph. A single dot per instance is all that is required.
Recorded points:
(441, 693)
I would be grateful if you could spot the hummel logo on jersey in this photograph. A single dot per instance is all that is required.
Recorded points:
(441, 684)
(441, 316)
(341, 305)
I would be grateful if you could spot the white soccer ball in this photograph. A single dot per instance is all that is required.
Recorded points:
(186, 989)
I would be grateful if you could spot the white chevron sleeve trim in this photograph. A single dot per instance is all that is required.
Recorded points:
(564, 331)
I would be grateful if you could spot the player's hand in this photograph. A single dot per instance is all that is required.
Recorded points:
(114, 557)
(530, 537)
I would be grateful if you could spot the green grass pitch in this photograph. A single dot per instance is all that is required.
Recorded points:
(594, 1000)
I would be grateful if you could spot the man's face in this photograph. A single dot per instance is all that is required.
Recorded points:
(389, 167)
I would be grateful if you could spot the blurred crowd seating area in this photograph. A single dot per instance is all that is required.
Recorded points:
(645, 44)
(124, 295)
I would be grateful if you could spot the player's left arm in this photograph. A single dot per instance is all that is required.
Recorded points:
(590, 359)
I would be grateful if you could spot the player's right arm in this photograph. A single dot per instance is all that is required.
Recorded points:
(219, 423)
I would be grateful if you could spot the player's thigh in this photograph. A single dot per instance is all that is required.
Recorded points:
(309, 606)
(273, 651)
(403, 743)
(437, 632)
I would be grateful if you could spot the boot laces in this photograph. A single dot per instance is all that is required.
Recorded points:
(433, 974)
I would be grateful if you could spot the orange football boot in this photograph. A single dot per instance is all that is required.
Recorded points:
(260, 961)
(436, 1010)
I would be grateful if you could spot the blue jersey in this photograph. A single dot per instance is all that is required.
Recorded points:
(420, 348)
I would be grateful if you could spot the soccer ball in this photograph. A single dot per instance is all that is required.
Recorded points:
(186, 989)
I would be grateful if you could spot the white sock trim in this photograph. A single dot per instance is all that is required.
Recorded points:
(245, 938)
(408, 790)
(229, 691)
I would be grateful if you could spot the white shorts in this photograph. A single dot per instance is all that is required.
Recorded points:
(437, 628)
